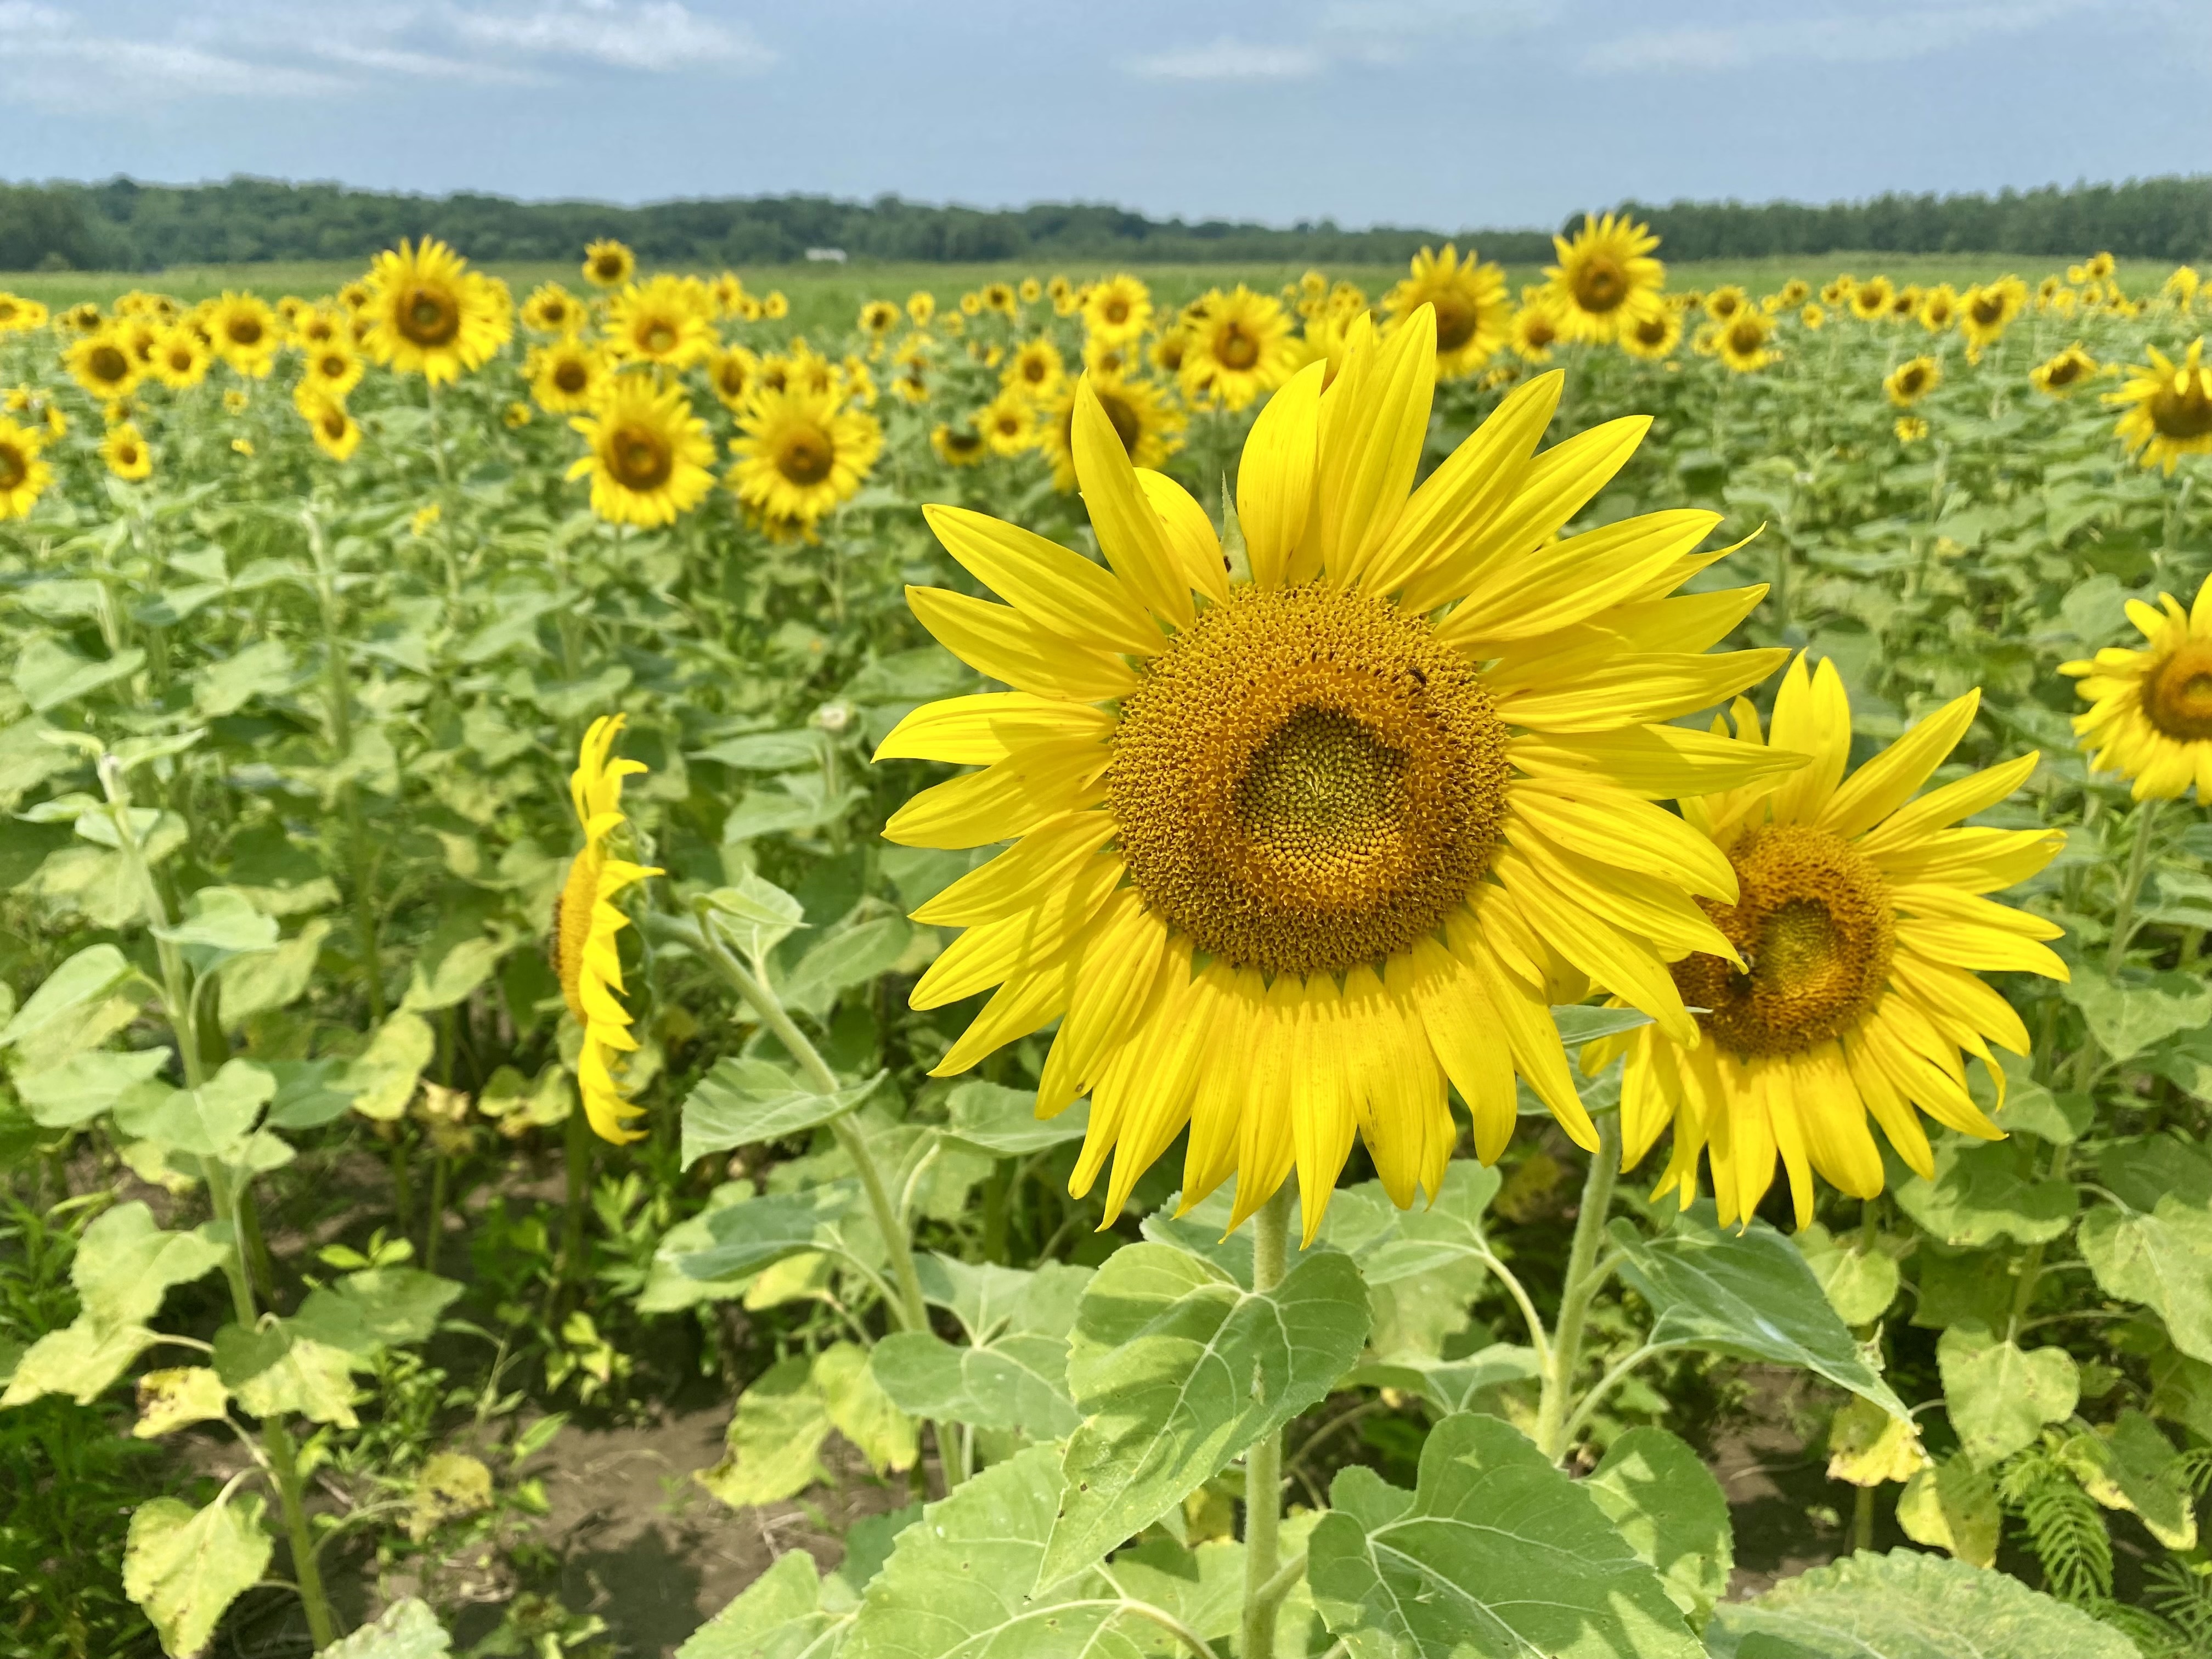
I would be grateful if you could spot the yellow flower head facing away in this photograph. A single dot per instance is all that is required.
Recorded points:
(2168, 407)
(1858, 933)
(1290, 854)
(2150, 710)
(585, 923)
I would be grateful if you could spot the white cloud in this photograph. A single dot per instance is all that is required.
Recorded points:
(1228, 59)
(1865, 38)
(48, 60)
(657, 35)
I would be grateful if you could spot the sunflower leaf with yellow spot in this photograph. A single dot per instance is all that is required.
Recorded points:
(859, 1409)
(1953, 1506)
(2132, 1466)
(382, 1078)
(779, 1426)
(276, 1370)
(2162, 1259)
(1868, 1447)
(184, 1566)
(405, 1629)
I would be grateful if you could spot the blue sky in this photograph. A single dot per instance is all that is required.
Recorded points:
(1443, 113)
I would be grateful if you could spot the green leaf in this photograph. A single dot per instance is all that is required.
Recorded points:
(859, 1409)
(2029, 1107)
(2162, 1259)
(765, 751)
(1177, 1369)
(779, 1425)
(382, 1078)
(750, 1235)
(1494, 1552)
(1004, 1121)
(2140, 1171)
(959, 1580)
(1449, 1385)
(2131, 1466)
(1860, 1281)
(1579, 1025)
(988, 1299)
(225, 687)
(219, 923)
(1960, 1287)
(757, 915)
(278, 1369)
(1390, 1244)
(741, 1101)
(273, 979)
(405, 1629)
(778, 1616)
(1671, 1512)
(173, 1399)
(89, 977)
(1907, 1605)
(1985, 1191)
(184, 1566)
(856, 956)
(1953, 1506)
(2128, 1015)
(1749, 1294)
(82, 1360)
(125, 1264)
(2000, 1394)
(1203, 1588)
(207, 1121)
(1016, 1381)
(305, 1097)
(388, 1307)
(84, 1085)
(459, 971)
(49, 676)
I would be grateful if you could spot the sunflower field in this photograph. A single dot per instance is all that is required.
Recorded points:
(1256, 973)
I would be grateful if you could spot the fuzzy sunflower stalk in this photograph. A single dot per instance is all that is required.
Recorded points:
(1295, 846)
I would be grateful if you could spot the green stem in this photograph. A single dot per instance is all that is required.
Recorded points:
(576, 1161)
(2123, 912)
(438, 1177)
(307, 1571)
(1263, 1463)
(1582, 1280)
(338, 707)
(1862, 1520)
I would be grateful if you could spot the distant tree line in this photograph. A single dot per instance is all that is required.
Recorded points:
(127, 226)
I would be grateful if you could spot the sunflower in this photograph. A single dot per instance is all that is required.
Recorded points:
(18, 314)
(1535, 328)
(1911, 380)
(336, 433)
(1939, 309)
(2169, 407)
(2100, 267)
(732, 371)
(551, 309)
(1119, 308)
(1839, 289)
(104, 365)
(1905, 302)
(999, 297)
(1109, 359)
(1035, 370)
(1031, 290)
(1652, 334)
(1796, 291)
(798, 454)
(775, 307)
(83, 318)
(1067, 298)
(1909, 429)
(2150, 714)
(23, 476)
(607, 263)
(1812, 317)
(878, 318)
(2064, 374)
(313, 325)
(1742, 341)
(245, 333)
(586, 919)
(2180, 288)
(648, 456)
(1605, 276)
(1986, 312)
(566, 376)
(333, 368)
(728, 293)
(429, 314)
(1293, 857)
(1241, 347)
(1858, 933)
(664, 321)
(1467, 298)
(124, 450)
(1009, 423)
(921, 306)
(1869, 300)
(964, 445)
(1150, 427)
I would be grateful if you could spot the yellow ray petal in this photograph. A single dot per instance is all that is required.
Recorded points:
(1973, 860)
(1596, 694)
(1052, 586)
(1891, 778)
(1125, 956)
(1275, 476)
(997, 641)
(1940, 808)
(1229, 1005)
(1002, 801)
(1374, 421)
(1129, 531)
(1569, 581)
(1030, 998)
(1190, 534)
(1462, 1034)
(1524, 1020)
(1620, 962)
(982, 957)
(1021, 876)
(1585, 817)
(1812, 715)
(1657, 763)
(989, 727)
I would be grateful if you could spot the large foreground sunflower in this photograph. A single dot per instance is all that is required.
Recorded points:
(800, 454)
(585, 923)
(2150, 714)
(1468, 300)
(429, 314)
(23, 476)
(1293, 855)
(1860, 932)
(648, 455)
(2169, 407)
(1605, 276)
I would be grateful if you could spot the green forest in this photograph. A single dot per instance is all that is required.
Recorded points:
(122, 225)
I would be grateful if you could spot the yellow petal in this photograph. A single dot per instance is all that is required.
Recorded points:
(1190, 534)
(1597, 695)
(1052, 586)
(1029, 999)
(1657, 763)
(997, 641)
(1005, 800)
(1275, 476)
(1574, 578)
(1891, 778)
(989, 727)
(1124, 952)
(983, 956)
(1022, 875)
(1812, 715)
(1374, 421)
(1940, 808)
(1612, 828)
(1129, 530)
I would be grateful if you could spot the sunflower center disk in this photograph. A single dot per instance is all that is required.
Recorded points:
(1601, 285)
(1236, 349)
(14, 469)
(1456, 321)
(109, 364)
(1816, 926)
(640, 458)
(2177, 700)
(1306, 780)
(2182, 413)
(429, 318)
(571, 378)
(805, 458)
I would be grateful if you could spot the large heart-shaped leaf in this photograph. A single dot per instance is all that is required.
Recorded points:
(1672, 1513)
(125, 1263)
(2000, 1394)
(749, 1237)
(184, 1566)
(2162, 1259)
(1984, 1192)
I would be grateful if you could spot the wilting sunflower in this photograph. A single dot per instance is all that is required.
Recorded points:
(1652, 334)
(1240, 346)
(2064, 374)
(1869, 300)
(732, 371)
(1466, 296)
(1534, 330)
(336, 433)
(1939, 309)
(607, 263)
(586, 920)
(1986, 312)
(1035, 371)
(551, 309)
(666, 320)
(1743, 341)
(1149, 427)
(124, 450)
(964, 445)
(23, 476)
(1294, 855)
(2169, 407)
(104, 365)
(648, 456)
(1119, 308)
(2150, 714)
(429, 314)
(566, 376)
(1605, 276)
(878, 318)
(1911, 380)
(332, 369)
(1009, 423)
(1860, 932)
(800, 454)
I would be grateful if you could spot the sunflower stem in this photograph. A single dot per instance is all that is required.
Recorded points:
(1263, 1463)
(2123, 911)
(1584, 1275)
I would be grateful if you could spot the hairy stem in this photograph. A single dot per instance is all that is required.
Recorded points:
(1263, 1463)
(1583, 1278)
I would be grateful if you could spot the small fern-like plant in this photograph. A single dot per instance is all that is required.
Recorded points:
(2060, 1525)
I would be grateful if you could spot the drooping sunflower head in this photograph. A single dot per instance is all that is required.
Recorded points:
(1119, 308)
(566, 376)
(921, 306)
(2099, 267)
(664, 321)
(551, 309)
(2150, 714)
(1986, 312)
(1743, 342)
(2062, 375)
(1939, 309)
(1467, 298)
(1909, 429)
(800, 454)
(649, 453)
(1239, 346)
(1813, 316)
(23, 476)
(104, 365)
(727, 292)
(1795, 292)
(607, 263)
(1905, 302)
(2182, 286)
(1838, 290)
(1606, 275)
(1913, 380)
(2168, 407)
(429, 314)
